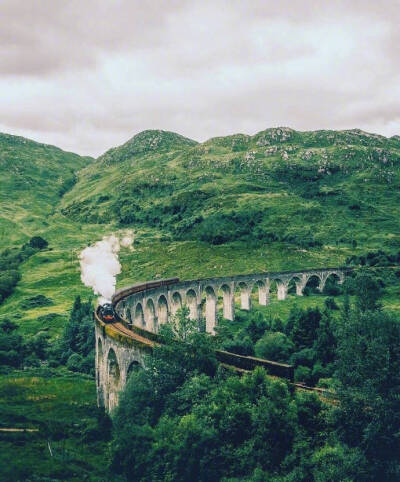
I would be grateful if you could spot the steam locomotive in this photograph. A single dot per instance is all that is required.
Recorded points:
(107, 313)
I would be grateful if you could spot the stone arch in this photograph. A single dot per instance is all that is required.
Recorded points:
(150, 316)
(228, 302)
(273, 288)
(313, 283)
(162, 310)
(100, 368)
(330, 283)
(129, 315)
(176, 299)
(280, 285)
(139, 316)
(211, 309)
(295, 285)
(191, 301)
(113, 379)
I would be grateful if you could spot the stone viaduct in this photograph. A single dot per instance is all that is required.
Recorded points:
(143, 308)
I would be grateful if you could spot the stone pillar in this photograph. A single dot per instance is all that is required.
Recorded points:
(229, 304)
(155, 324)
(282, 291)
(263, 294)
(211, 313)
(245, 300)
(193, 310)
(322, 282)
(300, 285)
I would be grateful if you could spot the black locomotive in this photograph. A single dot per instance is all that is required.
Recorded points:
(107, 313)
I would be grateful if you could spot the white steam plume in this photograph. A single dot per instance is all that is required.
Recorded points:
(100, 264)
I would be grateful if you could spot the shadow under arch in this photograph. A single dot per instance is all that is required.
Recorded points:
(332, 285)
(191, 302)
(150, 316)
(176, 302)
(100, 362)
(139, 316)
(134, 366)
(313, 285)
(113, 379)
(162, 310)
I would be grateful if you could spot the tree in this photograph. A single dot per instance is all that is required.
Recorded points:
(368, 387)
(38, 242)
(274, 346)
(303, 326)
(367, 291)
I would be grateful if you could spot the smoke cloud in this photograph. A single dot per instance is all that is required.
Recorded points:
(100, 264)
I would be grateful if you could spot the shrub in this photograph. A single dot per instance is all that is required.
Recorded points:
(74, 362)
(274, 346)
(303, 374)
(8, 281)
(241, 346)
(35, 301)
(38, 242)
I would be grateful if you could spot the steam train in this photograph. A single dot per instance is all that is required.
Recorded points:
(107, 312)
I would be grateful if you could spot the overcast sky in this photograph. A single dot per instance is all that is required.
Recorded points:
(87, 75)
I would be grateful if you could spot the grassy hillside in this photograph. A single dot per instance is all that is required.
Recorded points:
(34, 177)
(313, 189)
(280, 199)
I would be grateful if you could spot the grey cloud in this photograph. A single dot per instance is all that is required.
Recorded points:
(88, 75)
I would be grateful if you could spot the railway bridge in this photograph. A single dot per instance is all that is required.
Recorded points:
(142, 308)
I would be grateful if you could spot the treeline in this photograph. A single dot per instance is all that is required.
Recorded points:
(75, 349)
(16, 352)
(184, 418)
(307, 340)
(375, 258)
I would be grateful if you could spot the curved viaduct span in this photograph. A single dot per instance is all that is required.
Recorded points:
(142, 308)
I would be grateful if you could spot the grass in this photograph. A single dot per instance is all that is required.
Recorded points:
(61, 406)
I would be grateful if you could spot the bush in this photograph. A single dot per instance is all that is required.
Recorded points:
(305, 357)
(331, 304)
(35, 301)
(74, 362)
(303, 374)
(275, 346)
(241, 346)
(76, 347)
(38, 242)
(8, 281)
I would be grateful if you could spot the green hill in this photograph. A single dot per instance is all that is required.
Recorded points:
(280, 199)
(303, 190)
(34, 177)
